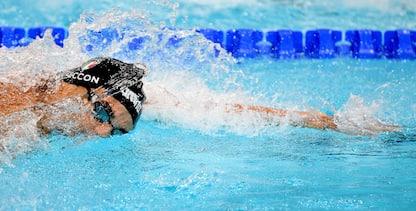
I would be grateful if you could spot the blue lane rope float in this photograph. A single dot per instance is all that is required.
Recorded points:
(285, 43)
(365, 44)
(58, 34)
(243, 42)
(400, 44)
(12, 36)
(321, 43)
(248, 43)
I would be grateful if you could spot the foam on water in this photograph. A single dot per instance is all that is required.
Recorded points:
(357, 118)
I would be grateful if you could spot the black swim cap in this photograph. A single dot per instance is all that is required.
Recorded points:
(104, 71)
(120, 80)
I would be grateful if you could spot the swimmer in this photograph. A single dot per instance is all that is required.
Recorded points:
(111, 91)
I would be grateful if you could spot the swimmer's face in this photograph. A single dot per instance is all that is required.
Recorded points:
(120, 118)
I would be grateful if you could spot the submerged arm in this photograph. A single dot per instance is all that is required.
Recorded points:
(274, 116)
(316, 119)
(319, 120)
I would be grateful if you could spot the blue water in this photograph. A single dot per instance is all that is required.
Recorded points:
(172, 164)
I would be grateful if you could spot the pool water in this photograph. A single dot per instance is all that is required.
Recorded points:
(188, 160)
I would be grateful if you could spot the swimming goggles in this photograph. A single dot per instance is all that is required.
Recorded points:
(102, 112)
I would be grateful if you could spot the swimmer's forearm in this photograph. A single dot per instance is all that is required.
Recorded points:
(317, 120)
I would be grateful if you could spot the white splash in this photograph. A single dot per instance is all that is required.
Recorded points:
(19, 134)
(184, 99)
(42, 60)
(357, 118)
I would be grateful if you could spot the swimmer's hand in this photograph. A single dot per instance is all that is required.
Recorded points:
(364, 125)
(358, 125)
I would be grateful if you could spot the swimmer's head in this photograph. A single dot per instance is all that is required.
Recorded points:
(119, 79)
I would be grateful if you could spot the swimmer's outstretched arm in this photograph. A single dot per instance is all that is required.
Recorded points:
(274, 116)
(316, 119)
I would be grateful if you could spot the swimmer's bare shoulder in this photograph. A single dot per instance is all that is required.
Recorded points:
(14, 99)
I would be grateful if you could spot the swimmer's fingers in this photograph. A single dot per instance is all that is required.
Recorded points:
(380, 126)
(370, 128)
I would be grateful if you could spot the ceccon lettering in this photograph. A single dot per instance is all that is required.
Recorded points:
(85, 77)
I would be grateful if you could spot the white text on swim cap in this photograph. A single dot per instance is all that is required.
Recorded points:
(84, 77)
(130, 95)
